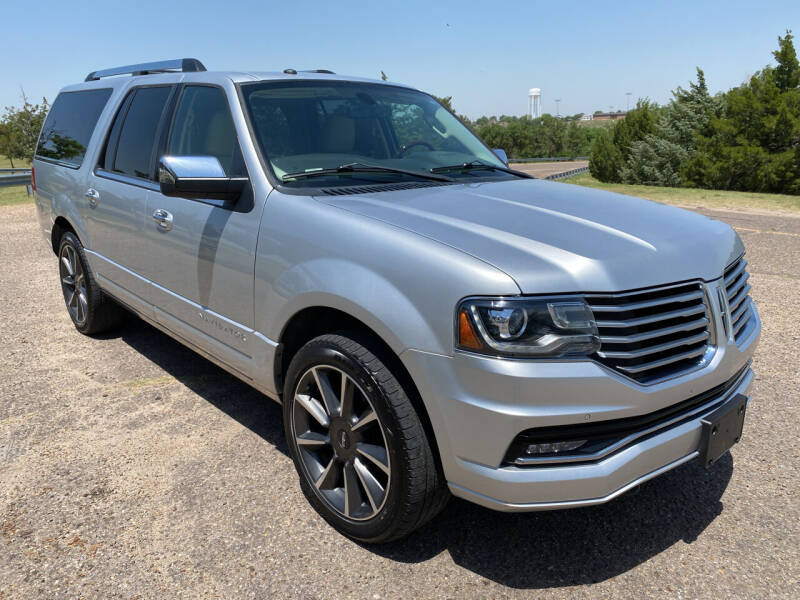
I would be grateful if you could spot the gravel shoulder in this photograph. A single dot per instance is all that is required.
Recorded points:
(131, 467)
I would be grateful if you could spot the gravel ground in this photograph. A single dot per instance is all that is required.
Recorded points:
(132, 468)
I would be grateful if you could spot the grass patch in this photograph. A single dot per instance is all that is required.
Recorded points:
(18, 164)
(696, 198)
(14, 195)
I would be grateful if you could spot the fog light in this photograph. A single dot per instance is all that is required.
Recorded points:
(554, 447)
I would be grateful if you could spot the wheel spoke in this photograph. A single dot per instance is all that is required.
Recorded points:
(365, 420)
(346, 397)
(373, 489)
(67, 265)
(352, 493)
(82, 306)
(68, 280)
(327, 479)
(314, 408)
(326, 390)
(375, 454)
(72, 296)
(312, 439)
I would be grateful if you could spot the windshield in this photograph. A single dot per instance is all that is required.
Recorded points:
(304, 127)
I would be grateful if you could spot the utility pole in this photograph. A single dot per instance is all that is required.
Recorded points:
(628, 103)
(558, 114)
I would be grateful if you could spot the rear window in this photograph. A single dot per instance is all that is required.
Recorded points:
(138, 134)
(69, 125)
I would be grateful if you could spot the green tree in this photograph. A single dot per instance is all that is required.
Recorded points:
(754, 144)
(659, 157)
(612, 149)
(606, 160)
(787, 73)
(21, 127)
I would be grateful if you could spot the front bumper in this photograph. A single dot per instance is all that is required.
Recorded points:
(478, 405)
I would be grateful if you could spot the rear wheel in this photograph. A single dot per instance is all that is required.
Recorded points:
(362, 455)
(89, 308)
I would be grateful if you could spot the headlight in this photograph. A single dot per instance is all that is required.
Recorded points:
(546, 327)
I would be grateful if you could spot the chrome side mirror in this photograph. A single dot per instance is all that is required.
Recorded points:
(501, 154)
(198, 177)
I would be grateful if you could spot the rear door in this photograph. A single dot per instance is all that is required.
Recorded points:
(119, 185)
(202, 267)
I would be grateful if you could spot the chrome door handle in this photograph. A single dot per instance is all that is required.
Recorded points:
(163, 218)
(93, 196)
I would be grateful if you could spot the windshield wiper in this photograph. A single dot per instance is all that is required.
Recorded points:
(362, 168)
(476, 164)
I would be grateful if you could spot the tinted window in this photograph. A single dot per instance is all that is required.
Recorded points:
(138, 133)
(203, 126)
(69, 125)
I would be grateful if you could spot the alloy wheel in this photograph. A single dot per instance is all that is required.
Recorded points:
(73, 283)
(341, 443)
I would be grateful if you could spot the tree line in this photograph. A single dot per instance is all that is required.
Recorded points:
(747, 138)
(19, 129)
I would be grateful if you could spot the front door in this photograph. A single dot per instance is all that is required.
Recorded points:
(203, 255)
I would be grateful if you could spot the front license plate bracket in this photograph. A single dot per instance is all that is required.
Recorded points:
(722, 429)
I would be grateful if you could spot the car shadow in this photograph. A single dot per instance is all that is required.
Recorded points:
(523, 550)
(577, 546)
(232, 396)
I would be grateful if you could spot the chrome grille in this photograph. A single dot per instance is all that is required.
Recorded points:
(739, 302)
(653, 333)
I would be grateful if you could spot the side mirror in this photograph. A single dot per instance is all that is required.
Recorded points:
(197, 178)
(501, 154)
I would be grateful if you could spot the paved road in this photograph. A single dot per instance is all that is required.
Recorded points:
(543, 170)
(132, 468)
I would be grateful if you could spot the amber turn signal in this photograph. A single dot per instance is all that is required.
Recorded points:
(467, 338)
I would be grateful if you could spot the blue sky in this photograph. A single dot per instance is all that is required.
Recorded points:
(486, 55)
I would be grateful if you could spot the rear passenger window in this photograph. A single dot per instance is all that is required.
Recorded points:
(138, 133)
(69, 125)
(203, 127)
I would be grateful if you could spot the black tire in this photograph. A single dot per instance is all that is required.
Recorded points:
(415, 487)
(91, 311)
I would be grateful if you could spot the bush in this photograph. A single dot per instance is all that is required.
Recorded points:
(605, 160)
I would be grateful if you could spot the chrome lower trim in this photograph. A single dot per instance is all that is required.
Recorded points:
(495, 504)
(745, 378)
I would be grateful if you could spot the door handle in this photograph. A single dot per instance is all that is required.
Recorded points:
(163, 218)
(93, 196)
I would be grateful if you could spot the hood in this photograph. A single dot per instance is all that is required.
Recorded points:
(554, 237)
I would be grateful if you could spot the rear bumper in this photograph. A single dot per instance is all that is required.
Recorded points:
(477, 406)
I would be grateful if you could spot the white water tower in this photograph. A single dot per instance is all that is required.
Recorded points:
(534, 103)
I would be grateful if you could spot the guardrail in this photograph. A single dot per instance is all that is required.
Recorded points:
(566, 174)
(9, 177)
(16, 170)
(551, 159)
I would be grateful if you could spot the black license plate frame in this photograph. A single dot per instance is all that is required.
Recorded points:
(722, 429)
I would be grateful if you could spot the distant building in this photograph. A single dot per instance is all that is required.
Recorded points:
(587, 117)
(608, 116)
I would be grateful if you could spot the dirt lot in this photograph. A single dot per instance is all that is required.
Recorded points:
(132, 468)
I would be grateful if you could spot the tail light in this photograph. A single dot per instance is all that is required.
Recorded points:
(33, 178)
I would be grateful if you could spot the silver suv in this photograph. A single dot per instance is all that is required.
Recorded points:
(432, 321)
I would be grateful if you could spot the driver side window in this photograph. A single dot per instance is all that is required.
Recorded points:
(203, 127)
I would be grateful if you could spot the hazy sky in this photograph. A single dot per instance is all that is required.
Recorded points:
(484, 54)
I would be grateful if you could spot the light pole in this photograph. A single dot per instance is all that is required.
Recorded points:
(628, 103)
(558, 114)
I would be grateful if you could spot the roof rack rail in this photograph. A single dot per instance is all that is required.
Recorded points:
(326, 71)
(185, 65)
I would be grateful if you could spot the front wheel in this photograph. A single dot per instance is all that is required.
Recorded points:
(364, 460)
